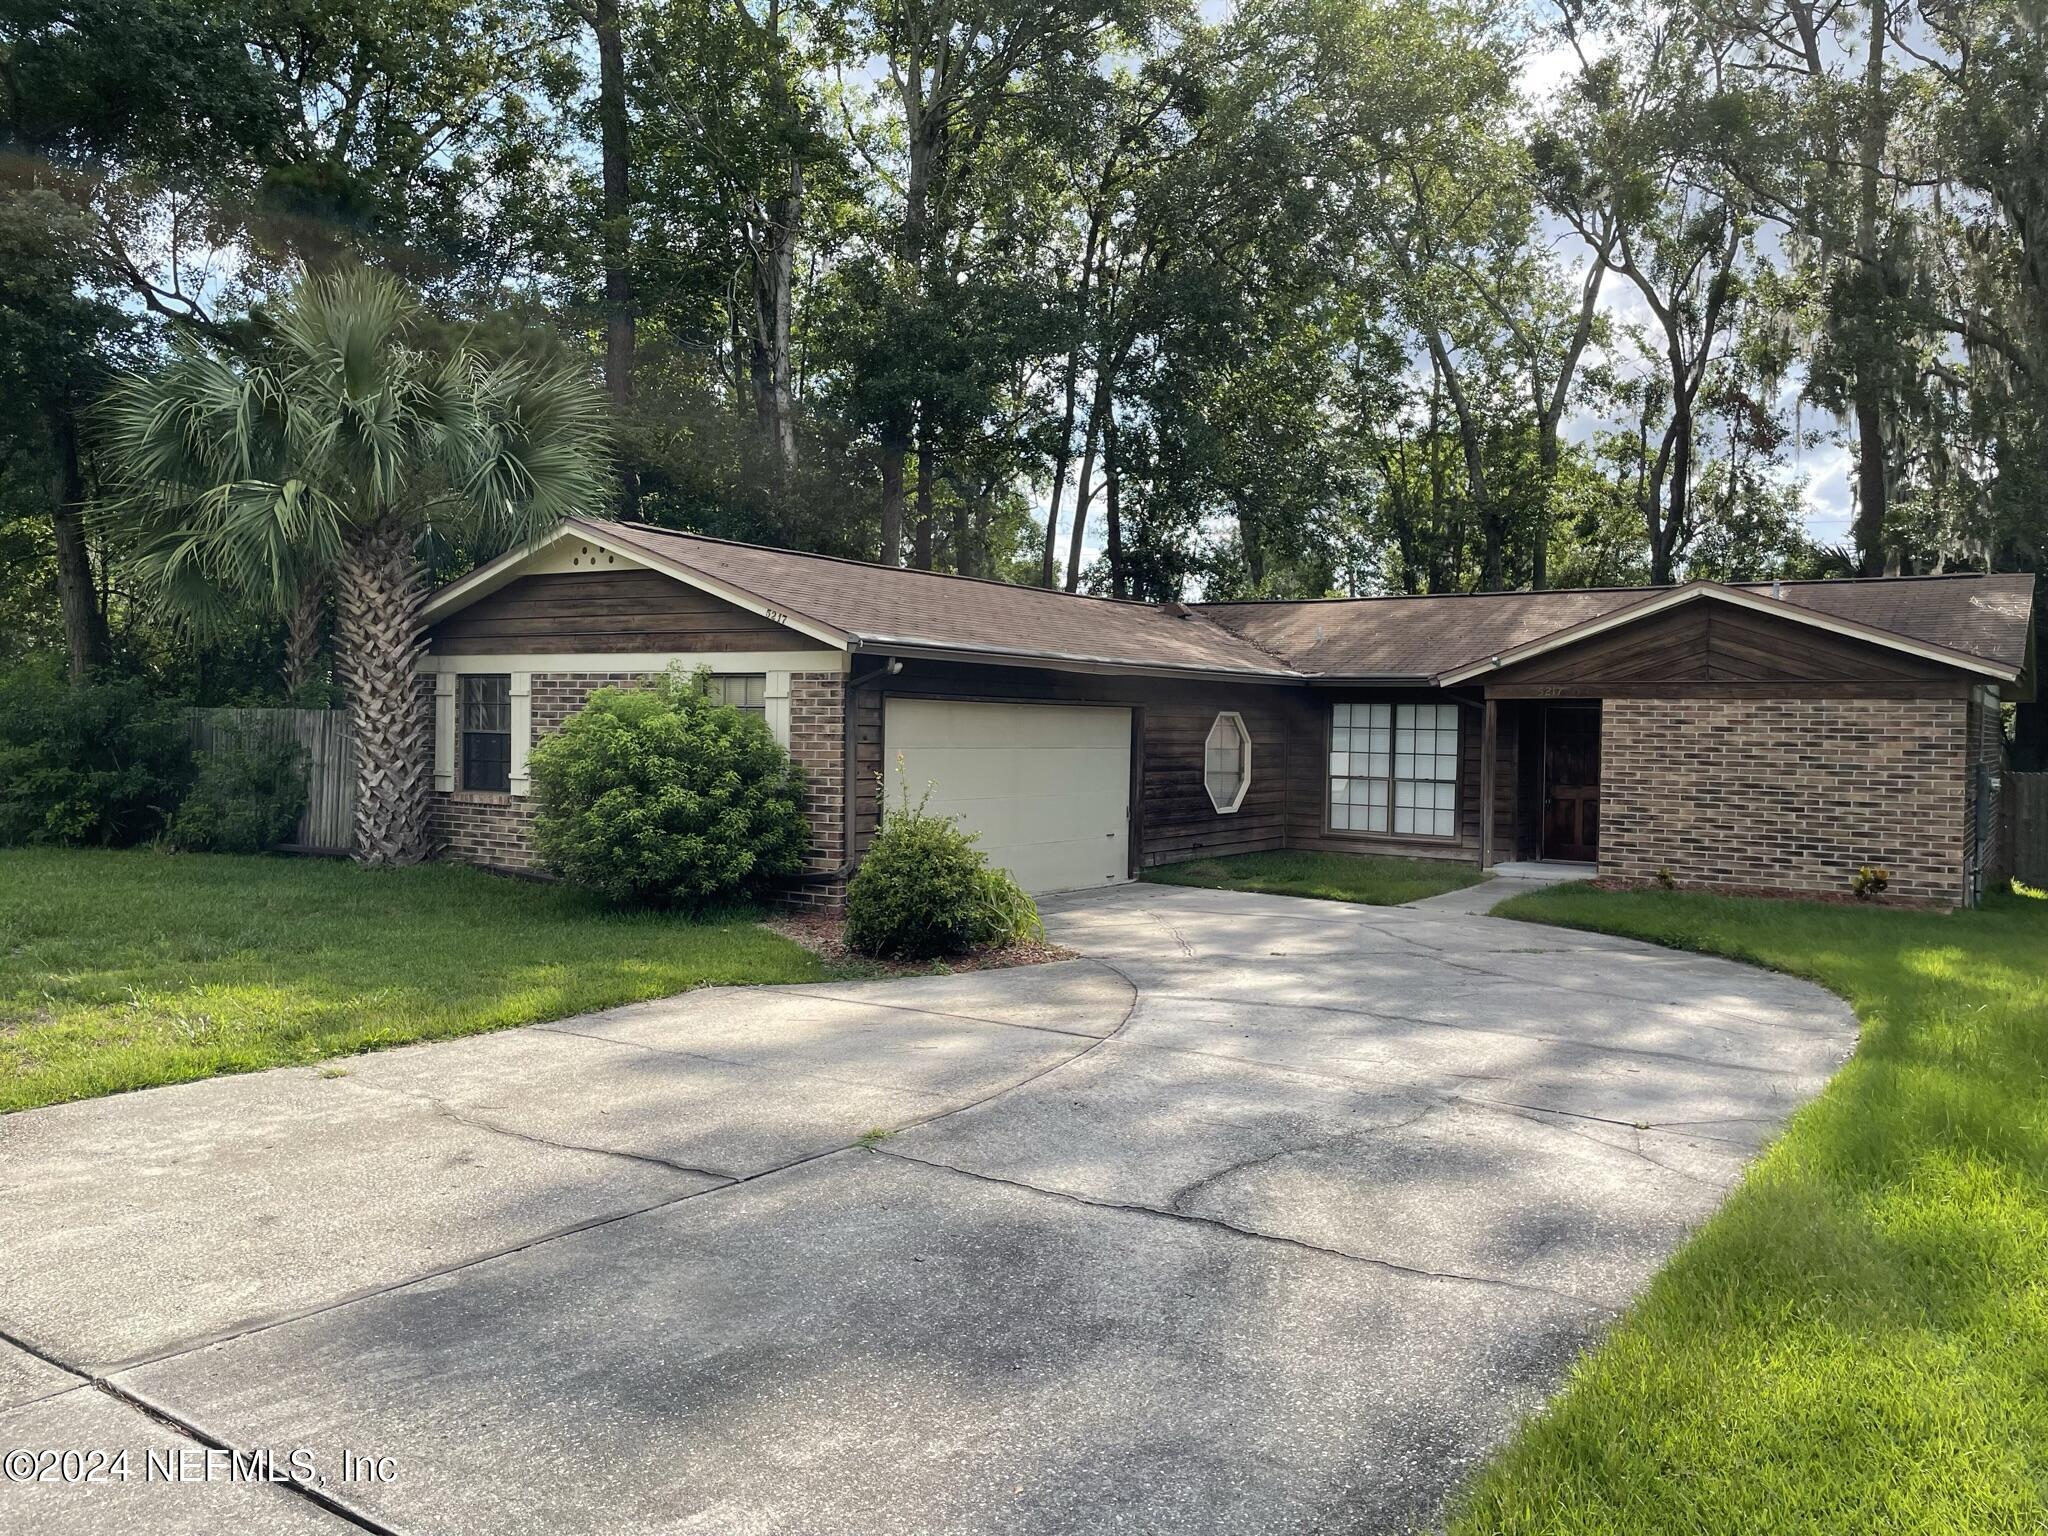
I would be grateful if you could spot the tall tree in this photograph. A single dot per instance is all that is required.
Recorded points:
(342, 447)
(97, 141)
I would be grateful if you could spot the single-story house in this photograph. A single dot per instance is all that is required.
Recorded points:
(1766, 736)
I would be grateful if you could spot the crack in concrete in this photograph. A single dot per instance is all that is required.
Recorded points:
(734, 1061)
(1361, 1081)
(939, 1013)
(263, 1324)
(448, 1111)
(1483, 1029)
(1217, 1222)
(1178, 1201)
(1187, 950)
(282, 1474)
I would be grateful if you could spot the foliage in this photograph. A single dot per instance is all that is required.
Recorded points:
(924, 890)
(126, 970)
(662, 796)
(1131, 297)
(102, 763)
(349, 442)
(1852, 1343)
(248, 797)
(1376, 882)
(253, 477)
(1870, 880)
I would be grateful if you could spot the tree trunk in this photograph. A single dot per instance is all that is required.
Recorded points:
(921, 550)
(85, 621)
(1546, 482)
(895, 447)
(1490, 574)
(615, 156)
(1872, 491)
(378, 601)
(302, 637)
(1667, 519)
(774, 284)
(1063, 459)
(1112, 508)
(1082, 494)
(965, 555)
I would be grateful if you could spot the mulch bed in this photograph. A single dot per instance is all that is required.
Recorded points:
(824, 935)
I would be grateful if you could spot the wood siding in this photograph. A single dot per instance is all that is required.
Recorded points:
(1706, 650)
(1174, 819)
(607, 612)
(1308, 813)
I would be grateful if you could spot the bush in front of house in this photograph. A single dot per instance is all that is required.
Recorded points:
(247, 798)
(663, 796)
(101, 763)
(924, 890)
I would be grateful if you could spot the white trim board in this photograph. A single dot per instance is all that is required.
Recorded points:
(642, 661)
(1735, 597)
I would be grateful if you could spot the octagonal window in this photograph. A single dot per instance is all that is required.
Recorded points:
(1227, 762)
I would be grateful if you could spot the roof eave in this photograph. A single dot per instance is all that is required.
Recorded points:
(1371, 680)
(1058, 661)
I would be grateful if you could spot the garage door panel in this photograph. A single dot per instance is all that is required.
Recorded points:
(1046, 787)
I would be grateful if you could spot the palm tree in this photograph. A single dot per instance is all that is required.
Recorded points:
(336, 455)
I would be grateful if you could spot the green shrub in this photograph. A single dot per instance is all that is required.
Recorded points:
(924, 890)
(248, 798)
(663, 796)
(100, 763)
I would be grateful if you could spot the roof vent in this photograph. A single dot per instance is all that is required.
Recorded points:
(1178, 610)
(1778, 590)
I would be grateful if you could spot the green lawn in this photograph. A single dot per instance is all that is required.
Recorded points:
(1332, 876)
(1858, 1341)
(124, 970)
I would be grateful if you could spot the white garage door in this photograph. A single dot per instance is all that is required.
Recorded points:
(1048, 786)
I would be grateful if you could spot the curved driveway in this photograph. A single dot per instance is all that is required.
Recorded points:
(1268, 1215)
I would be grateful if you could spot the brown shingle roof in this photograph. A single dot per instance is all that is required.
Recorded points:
(1419, 637)
(1386, 638)
(883, 606)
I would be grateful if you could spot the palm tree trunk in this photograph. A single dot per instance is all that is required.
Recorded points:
(377, 621)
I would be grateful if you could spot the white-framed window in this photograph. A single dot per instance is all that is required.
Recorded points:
(742, 690)
(1227, 762)
(1394, 769)
(486, 726)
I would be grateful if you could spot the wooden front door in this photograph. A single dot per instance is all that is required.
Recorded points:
(1571, 782)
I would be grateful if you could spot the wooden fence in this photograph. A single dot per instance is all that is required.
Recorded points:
(329, 825)
(2026, 826)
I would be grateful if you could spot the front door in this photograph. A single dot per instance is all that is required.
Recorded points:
(1571, 782)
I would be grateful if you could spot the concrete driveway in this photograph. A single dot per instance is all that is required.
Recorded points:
(1268, 1215)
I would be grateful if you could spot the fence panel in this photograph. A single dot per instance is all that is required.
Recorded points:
(2027, 826)
(329, 825)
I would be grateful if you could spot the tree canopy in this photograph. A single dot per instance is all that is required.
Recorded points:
(1123, 296)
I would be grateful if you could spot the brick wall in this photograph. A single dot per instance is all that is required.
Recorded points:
(492, 829)
(474, 827)
(817, 744)
(1785, 794)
